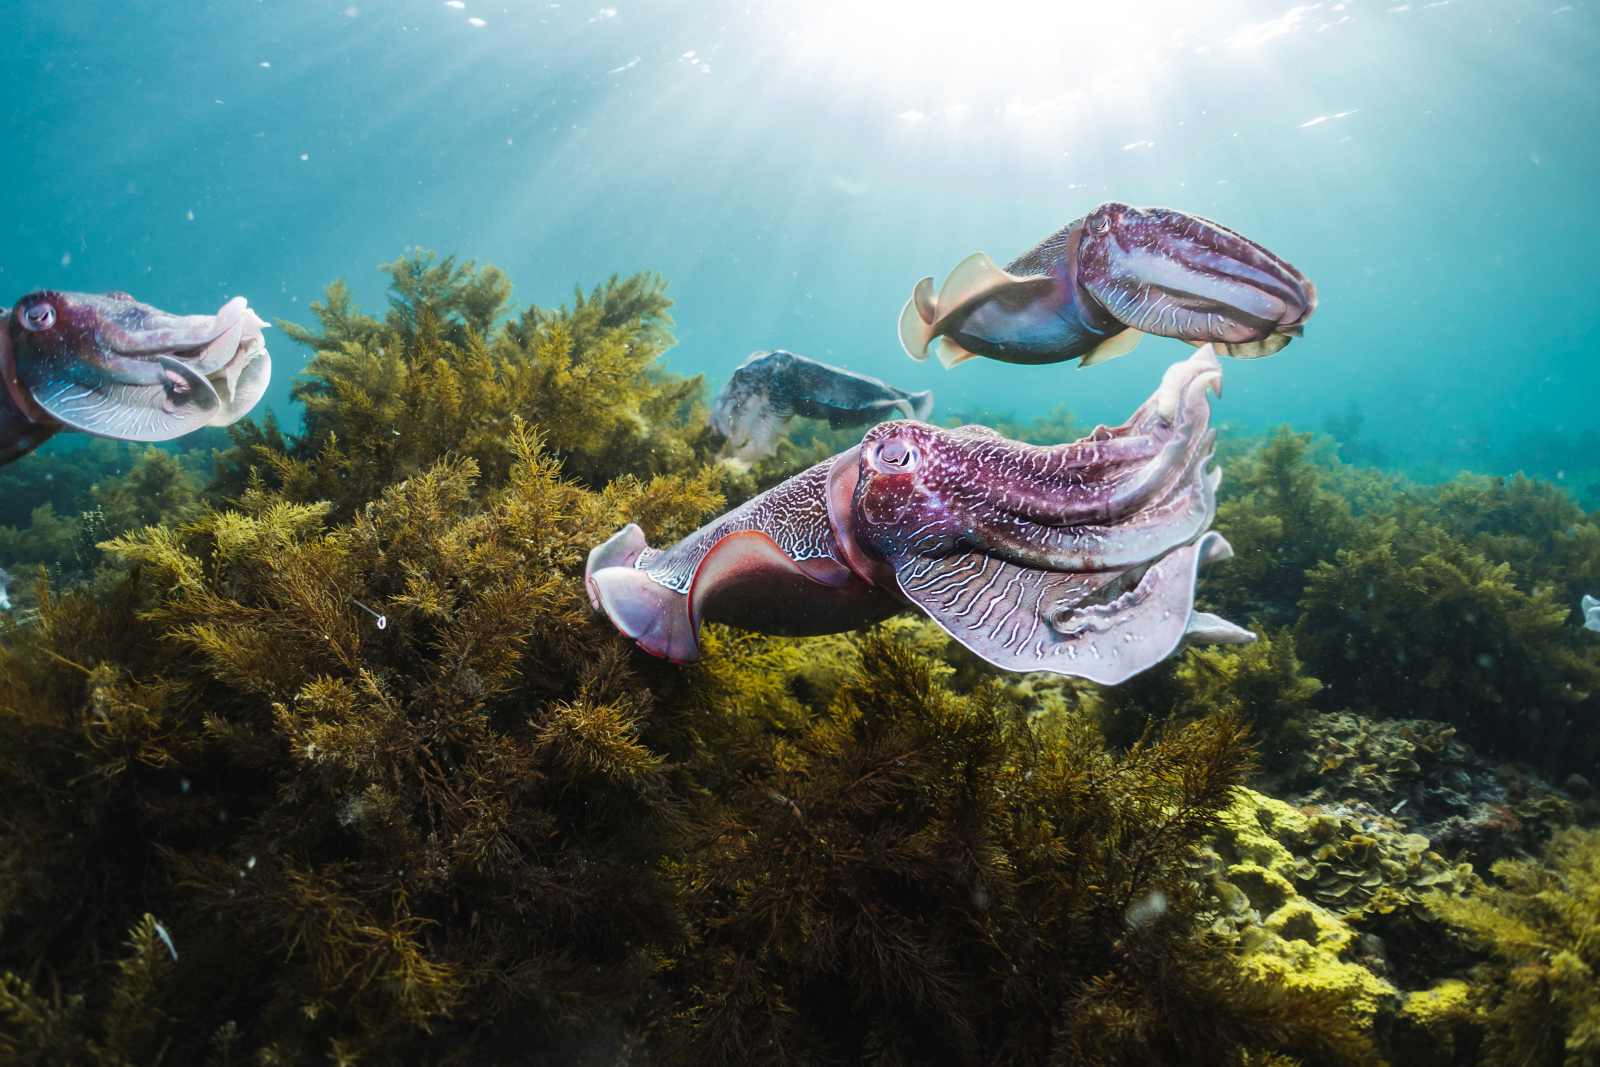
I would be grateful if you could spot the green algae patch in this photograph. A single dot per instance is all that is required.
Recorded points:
(1537, 998)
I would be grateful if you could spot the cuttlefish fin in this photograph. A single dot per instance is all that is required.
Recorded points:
(1116, 345)
(1270, 345)
(951, 354)
(973, 276)
(921, 405)
(917, 319)
(647, 611)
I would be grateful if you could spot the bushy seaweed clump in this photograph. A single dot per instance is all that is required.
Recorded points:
(1537, 997)
(332, 761)
(450, 367)
(340, 766)
(916, 878)
(421, 836)
(1454, 602)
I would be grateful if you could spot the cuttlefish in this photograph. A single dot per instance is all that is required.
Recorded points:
(754, 407)
(1092, 289)
(1078, 558)
(107, 365)
(1591, 614)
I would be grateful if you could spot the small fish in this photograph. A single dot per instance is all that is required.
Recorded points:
(1591, 614)
(107, 365)
(753, 408)
(1092, 289)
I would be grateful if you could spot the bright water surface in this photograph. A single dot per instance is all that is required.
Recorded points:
(793, 168)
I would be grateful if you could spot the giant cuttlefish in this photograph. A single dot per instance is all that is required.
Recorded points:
(1090, 290)
(754, 406)
(1078, 558)
(110, 366)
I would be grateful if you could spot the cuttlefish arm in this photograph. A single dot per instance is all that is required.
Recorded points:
(1591, 614)
(754, 407)
(1093, 288)
(1076, 559)
(108, 365)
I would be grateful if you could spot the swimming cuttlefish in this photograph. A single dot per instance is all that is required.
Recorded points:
(1092, 289)
(1078, 558)
(753, 408)
(1591, 614)
(107, 365)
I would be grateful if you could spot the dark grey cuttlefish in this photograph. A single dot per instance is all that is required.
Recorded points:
(753, 408)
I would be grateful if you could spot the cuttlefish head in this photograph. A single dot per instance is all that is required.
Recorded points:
(1165, 272)
(1117, 498)
(111, 366)
(1079, 559)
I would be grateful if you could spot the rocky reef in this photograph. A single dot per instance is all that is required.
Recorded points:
(326, 759)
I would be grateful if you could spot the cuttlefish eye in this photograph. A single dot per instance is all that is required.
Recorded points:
(38, 317)
(894, 456)
(1099, 225)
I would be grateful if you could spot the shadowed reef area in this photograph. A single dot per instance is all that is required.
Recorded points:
(312, 751)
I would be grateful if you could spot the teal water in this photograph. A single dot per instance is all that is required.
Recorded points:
(795, 167)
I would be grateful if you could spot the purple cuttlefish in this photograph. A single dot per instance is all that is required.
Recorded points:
(1078, 558)
(1092, 289)
(107, 365)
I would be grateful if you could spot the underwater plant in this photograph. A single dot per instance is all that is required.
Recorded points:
(446, 373)
(380, 783)
(917, 878)
(330, 761)
(1536, 998)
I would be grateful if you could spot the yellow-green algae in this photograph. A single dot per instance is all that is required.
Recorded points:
(1538, 995)
(241, 823)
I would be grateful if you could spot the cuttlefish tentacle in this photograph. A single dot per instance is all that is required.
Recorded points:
(108, 365)
(1093, 288)
(1079, 559)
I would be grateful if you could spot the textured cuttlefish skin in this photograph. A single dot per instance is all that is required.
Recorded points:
(1090, 290)
(107, 365)
(1079, 558)
(753, 408)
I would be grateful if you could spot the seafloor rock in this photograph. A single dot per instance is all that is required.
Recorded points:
(1418, 775)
